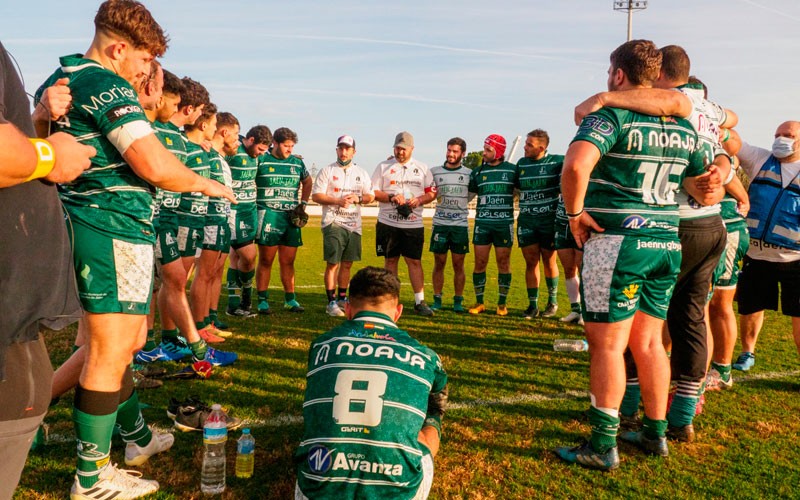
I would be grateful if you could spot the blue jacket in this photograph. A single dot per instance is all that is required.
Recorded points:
(774, 215)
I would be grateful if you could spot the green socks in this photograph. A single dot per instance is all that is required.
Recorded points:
(169, 335)
(234, 289)
(653, 429)
(630, 401)
(533, 297)
(479, 283)
(724, 371)
(604, 430)
(93, 433)
(576, 307)
(552, 290)
(289, 296)
(199, 348)
(681, 412)
(151, 340)
(503, 286)
(132, 426)
(437, 301)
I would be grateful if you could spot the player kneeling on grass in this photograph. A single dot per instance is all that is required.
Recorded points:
(374, 401)
(341, 188)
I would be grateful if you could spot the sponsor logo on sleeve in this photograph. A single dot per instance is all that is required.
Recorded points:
(122, 111)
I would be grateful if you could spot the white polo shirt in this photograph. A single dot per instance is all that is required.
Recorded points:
(337, 181)
(411, 179)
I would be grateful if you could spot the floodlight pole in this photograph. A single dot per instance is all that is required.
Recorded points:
(630, 6)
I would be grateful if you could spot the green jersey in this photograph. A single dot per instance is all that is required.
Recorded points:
(218, 208)
(644, 161)
(108, 197)
(172, 139)
(452, 195)
(278, 182)
(539, 187)
(367, 392)
(729, 213)
(243, 174)
(495, 189)
(194, 205)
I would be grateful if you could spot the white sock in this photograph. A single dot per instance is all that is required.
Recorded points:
(611, 412)
(573, 289)
(419, 297)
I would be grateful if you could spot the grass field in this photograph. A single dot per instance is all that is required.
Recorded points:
(512, 401)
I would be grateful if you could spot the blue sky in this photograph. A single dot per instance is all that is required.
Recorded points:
(435, 68)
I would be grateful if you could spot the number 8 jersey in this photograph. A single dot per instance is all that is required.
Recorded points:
(367, 393)
(644, 161)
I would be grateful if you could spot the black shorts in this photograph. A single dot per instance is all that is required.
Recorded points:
(759, 283)
(393, 241)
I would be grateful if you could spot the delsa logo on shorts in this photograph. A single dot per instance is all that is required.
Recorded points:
(320, 459)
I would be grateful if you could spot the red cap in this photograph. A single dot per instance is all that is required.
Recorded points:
(496, 142)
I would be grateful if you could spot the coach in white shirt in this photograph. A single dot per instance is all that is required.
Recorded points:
(341, 188)
(402, 186)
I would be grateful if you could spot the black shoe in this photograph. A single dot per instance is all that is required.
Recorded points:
(531, 312)
(684, 434)
(422, 309)
(174, 404)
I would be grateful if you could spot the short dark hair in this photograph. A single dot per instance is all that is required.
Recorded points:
(193, 94)
(260, 135)
(675, 63)
(640, 60)
(172, 84)
(458, 141)
(209, 110)
(373, 285)
(131, 20)
(225, 119)
(697, 81)
(284, 134)
(540, 134)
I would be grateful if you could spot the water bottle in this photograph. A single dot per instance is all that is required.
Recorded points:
(215, 434)
(570, 345)
(245, 454)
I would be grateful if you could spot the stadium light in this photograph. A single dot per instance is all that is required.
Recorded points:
(630, 6)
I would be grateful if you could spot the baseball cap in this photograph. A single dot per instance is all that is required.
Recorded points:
(404, 140)
(346, 140)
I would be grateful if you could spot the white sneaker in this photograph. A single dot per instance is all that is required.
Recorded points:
(333, 309)
(715, 382)
(119, 484)
(137, 455)
(572, 317)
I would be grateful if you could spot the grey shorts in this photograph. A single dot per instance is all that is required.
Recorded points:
(339, 244)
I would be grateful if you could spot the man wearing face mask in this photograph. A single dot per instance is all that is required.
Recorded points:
(774, 226)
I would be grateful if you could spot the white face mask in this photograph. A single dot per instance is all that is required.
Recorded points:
(783, 147)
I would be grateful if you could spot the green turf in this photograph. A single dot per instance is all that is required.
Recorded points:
(513, 398)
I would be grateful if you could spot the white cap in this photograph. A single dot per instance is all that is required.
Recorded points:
(346, 140)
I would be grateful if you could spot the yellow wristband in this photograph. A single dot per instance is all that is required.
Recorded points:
(46, 159)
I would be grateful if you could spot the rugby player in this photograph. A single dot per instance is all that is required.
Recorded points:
(341, 188)
(403, 186)
(702, 235)
(374, 402)
(494, 183)
(281, 178)
(215, 240)
(539, 187)
(627, 224)
(244, 219)
(110, 209)
(450, 222)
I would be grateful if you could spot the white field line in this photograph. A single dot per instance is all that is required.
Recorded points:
(287, 420)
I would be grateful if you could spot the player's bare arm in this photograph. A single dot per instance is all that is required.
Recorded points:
(54, 103)
(21, 159)
(580, 160)
(649, 101)
(153, 163)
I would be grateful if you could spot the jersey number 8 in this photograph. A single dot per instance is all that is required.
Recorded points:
(359, 397)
